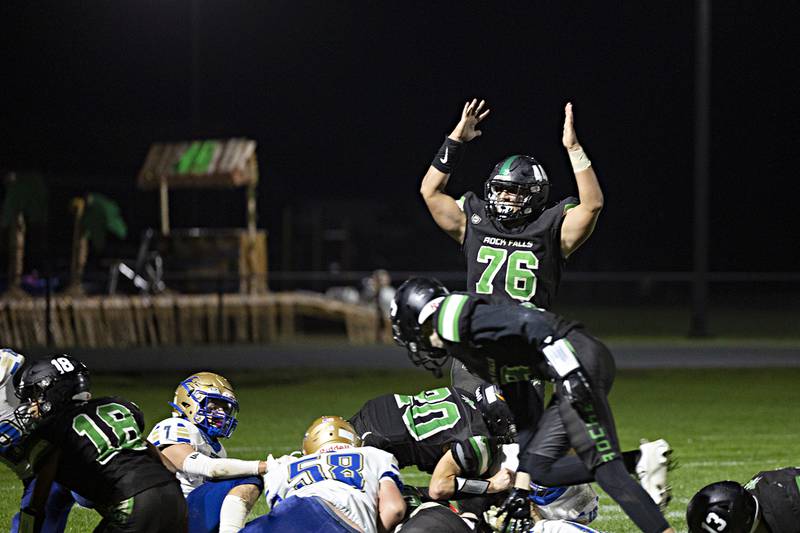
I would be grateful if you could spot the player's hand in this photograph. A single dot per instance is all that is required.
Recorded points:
(517, 510)
(569, 138)
(501, 481)
(471, 115)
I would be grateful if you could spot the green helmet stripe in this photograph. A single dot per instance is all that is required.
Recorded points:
(507, 165)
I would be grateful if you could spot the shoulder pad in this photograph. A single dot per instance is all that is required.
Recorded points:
(10, 362)
(10, 435)
(567, 203)
(175, 431)
(473, 455)
(452, 316)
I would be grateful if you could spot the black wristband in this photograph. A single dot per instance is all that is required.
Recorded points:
(469, 488)
(448, 156)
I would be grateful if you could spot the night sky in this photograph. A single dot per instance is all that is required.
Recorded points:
(349, 101)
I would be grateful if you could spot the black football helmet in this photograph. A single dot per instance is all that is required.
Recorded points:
(496, 413)
(724, 506)
(414, 303)
(48, 385)
(525, 183)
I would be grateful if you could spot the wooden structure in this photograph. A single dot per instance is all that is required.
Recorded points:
(124, 321)
(209, 164)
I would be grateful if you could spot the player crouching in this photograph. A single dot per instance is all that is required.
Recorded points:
(219, 491)
(337, 486)
(94, 447)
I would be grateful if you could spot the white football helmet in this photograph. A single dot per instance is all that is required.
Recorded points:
(578, 503)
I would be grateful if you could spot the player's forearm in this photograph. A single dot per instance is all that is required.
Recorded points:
(433, 183)
(441, 487)
(391, 506)
(589, 191)
(522, 480)
(220, 468)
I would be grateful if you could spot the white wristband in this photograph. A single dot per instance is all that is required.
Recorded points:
(579, 160)
(217, 467)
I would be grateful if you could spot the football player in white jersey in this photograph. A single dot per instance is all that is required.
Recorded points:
(219, 491)
(337, 486)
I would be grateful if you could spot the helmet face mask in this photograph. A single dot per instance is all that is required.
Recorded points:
(517, 189)
(724, 506)
(207, 400)
(414, 304)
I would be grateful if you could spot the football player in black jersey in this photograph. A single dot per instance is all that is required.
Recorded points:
(508, 346)
(441, 432)
(514, 245)
(768, 503)
(95, 448)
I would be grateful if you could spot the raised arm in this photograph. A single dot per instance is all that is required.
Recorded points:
(445, 210)
(579, 221)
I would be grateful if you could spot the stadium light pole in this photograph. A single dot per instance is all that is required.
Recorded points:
(702, 122)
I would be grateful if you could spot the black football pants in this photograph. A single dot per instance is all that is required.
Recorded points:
(159, 509)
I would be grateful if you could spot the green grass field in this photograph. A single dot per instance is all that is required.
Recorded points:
(722, 424)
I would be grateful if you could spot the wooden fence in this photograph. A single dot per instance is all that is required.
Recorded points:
(125, 321)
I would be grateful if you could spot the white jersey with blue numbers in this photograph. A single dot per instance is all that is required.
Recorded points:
(180, 431)
(561, 526)
(10, 362)
(347, 478)
(10, 432)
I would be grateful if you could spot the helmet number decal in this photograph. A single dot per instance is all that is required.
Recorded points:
(428, 413)
(62, 364)
(520, 282)
(713, 519)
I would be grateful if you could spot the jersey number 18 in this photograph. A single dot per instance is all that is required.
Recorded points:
(117, 421)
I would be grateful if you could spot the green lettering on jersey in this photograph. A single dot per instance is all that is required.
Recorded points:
(120, 421)
(513, 374)
(431, 405)
(495, 257)
(520, 279)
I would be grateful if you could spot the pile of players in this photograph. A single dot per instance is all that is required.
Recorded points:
(69, 447)
(489, 441)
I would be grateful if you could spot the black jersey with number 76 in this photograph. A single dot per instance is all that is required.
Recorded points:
(103, 457)
(521, 264)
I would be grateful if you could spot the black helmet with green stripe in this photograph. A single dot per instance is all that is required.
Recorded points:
(517, 189)
(413, 305)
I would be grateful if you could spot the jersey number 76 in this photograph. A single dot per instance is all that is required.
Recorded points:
(520, 279)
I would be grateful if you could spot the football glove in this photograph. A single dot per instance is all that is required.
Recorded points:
(517, 511)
